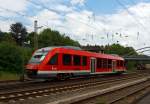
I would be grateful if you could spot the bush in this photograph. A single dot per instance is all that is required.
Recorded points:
(8, 76)
(11, 58)
(130, 65)
(26, 54)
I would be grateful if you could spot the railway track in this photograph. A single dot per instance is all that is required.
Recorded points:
(134, 90)
(31, 92)
(16, 83)
(31, 84)
(125, 95)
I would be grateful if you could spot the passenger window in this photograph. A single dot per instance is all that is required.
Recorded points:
(66, 59)
(54, 60)
(105, 63)
(118, 63)
(109, 63)
(84, 60)
(121, 63)
(99, 63)
(76, 60)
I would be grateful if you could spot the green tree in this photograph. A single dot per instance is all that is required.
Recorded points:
(11, 59)
(49, 37)
(7, 37)
(119, 49)
(122, 51)
(19, 33)
(30, 38)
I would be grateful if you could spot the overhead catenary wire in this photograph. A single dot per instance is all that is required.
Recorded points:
(6, 18)
(135, 19)
(12, 18)
(55, 11)
(94, 28)
(107, 33)
(18, 13)
(141, 12)
(39, 4)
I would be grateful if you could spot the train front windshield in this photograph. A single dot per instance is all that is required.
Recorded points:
(38, 57)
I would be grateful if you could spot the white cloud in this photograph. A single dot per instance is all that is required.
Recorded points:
(6, 14)
(90, 28)
(15, 5)
(9, 8)
(131, 24)
(5, 25)
(63, 8)
(77, 2)
(47, 18)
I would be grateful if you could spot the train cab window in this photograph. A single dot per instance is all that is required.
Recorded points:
(66, 59)
(84, 61)
(54, 60)
(76, 60)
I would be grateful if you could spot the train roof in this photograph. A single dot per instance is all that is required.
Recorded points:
(76, 50)
(66, 47)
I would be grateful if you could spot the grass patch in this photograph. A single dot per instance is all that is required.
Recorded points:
(131, 70)
(100, 100)
(8, 76)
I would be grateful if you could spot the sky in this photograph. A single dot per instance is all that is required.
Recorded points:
(94, 22)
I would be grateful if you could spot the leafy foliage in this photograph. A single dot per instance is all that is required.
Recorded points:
(4, 36)
(18, 32)
(118, 49)
(53, 38)
(11, 59)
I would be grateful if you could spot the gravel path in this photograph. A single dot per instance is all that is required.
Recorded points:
(145, 100)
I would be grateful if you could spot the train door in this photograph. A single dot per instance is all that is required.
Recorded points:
(93, 65)
(113, 65)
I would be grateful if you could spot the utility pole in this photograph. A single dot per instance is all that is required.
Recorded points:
(35, 34)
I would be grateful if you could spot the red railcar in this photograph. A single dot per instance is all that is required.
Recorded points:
(63, 62)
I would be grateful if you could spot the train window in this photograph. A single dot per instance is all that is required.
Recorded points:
(66, 59)
(54, 60)
(102, 63)
(76, 60)
(84, 60)
(121, 63)
(105, 63)
(118, 63)
(38, 57)
(99, 63)
(109, 63)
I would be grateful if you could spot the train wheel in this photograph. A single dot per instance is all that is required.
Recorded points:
(71, 75)
(67, 76)
(60, 76)
(119, 73)
(64, 76)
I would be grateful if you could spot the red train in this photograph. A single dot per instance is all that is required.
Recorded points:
(65, 62)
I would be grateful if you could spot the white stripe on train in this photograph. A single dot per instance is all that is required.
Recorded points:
(68, 71)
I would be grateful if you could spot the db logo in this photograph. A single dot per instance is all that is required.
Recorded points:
(54, 68)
